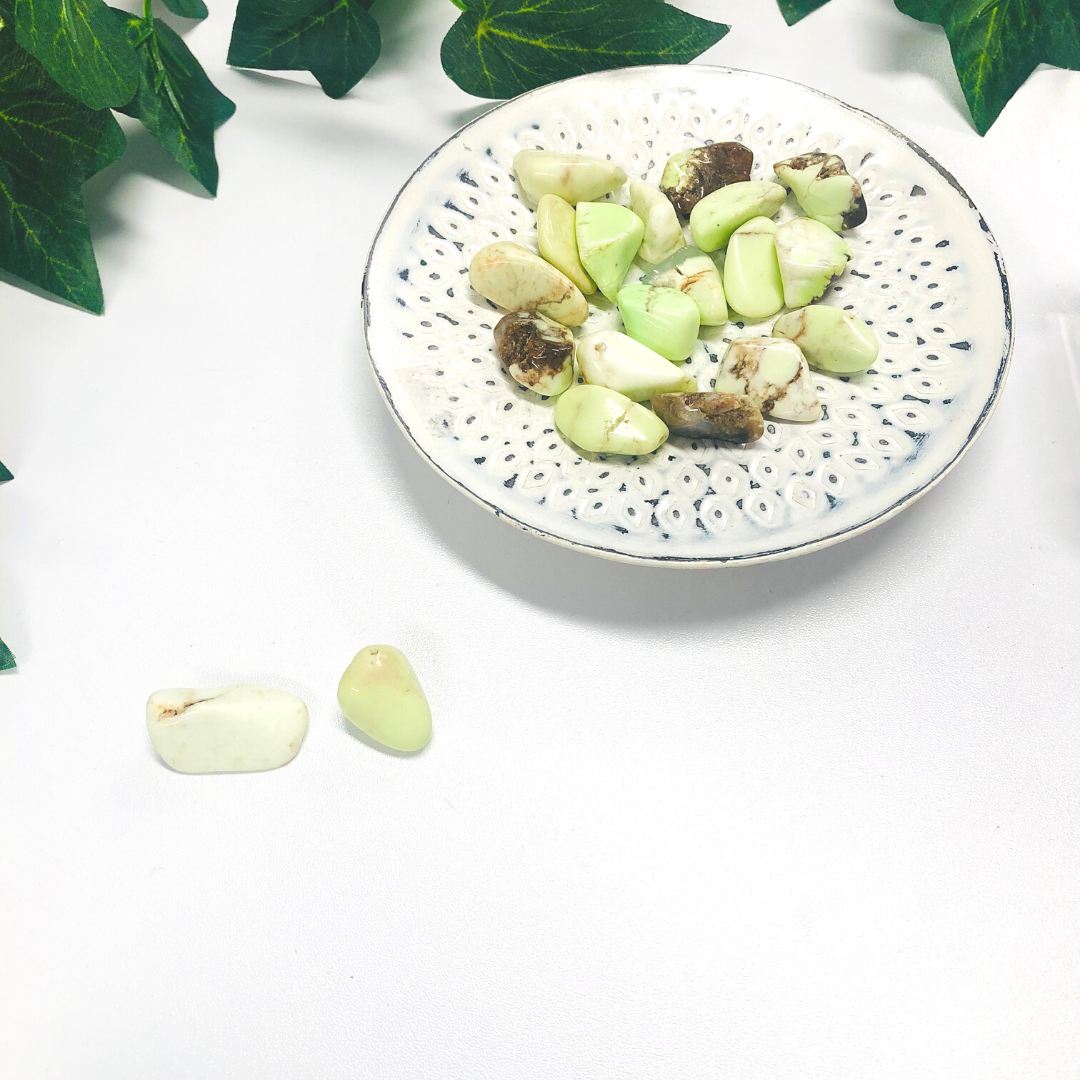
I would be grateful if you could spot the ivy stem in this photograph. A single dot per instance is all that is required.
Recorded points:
(459, 4)
(147, 13)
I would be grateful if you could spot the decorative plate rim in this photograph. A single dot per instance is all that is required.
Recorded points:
(712, 561)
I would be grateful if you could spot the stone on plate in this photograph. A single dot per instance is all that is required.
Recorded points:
(573, 177)
(773, 373)
(665, 320)
(717, 216)
(730, 417)
(663, 233)
(752, 280)
(603, 421)
(608, 238)
(537, 351)
(831, 339)
(810, 255)
(556, 237)
(612, 359)
(694, 273)
(824, 189)
(241, 728)
(692, 174)
(517, 279)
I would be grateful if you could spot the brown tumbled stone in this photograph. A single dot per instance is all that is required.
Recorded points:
(730, 417)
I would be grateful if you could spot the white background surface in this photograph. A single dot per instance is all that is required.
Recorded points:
(817, 819)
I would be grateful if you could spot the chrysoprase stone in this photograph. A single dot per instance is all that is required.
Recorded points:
(694, 273)
(692, 174)
(830, 339)
(556, 237)
(665, 320)
(537, 351)
(752, 280)
(717, 216)
(708, 415)
(603, 421)
(381, 695)
(517, 279)
(663, 233)
(810, 256)
(824, 189)
(608, 238)
(612, 359)
(772, 372)
(573, 177)
(241, 728)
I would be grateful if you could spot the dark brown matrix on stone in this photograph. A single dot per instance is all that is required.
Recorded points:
(730, 417)
(708, 169)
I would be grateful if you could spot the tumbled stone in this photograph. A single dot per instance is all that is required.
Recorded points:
(728, 417)
(517, 279)
(612, 359)
(773, 373)
(831, 339)
(537, 351)
(603, 421)
(573, 177)
(663, 233)
(810, 256)
(717, 216)
(694, 273)
(556, 237)
(824, 189)
(380, 694)
(692, 174)
(241, 728)
(608, 238)
(665, 320)
(752, 280)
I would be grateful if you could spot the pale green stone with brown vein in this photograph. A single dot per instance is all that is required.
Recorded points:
(603, 421)
(831, 339)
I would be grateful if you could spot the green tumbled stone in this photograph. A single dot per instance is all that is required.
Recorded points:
(717, 216)
(608, 238)
(694, 273)
(752, 280)
(831, 339)
(603, 421)
(665, 320)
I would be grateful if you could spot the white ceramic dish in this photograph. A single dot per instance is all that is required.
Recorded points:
(927, 274)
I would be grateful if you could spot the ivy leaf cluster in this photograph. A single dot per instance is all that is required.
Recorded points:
(65, 65)
(996, 44)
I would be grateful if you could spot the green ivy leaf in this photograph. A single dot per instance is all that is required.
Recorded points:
(997, 44)
(5, 474)
(49, 145)
(7, 661)
(794, 10)
(187, 9)
(80, 45)
(336, 40)
(499, 48)
(176, 101)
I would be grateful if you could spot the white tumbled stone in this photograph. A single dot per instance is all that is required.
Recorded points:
(772, 372)
(241, 728)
